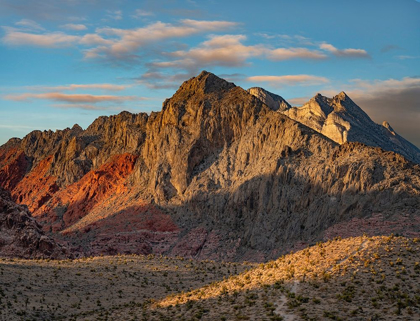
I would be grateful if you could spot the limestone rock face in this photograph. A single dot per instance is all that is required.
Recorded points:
(203, 117)
(273, 101)
(219, 173)
(21, 236)
(341, 120)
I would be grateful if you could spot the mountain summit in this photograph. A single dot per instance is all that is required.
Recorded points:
(342, 120)
(216, 174)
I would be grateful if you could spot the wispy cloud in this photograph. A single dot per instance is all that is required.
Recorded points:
(139, 13)
(130, 40)
(115, 15)
(48, 40)
(405, 57)
(73, 26)
(72, 98)
(294, 53)
(29, 25)
(83, 106)
(230, 51)
(159, 80)
(346, 53)
(224, 50)
(105, 87)
(289, 80)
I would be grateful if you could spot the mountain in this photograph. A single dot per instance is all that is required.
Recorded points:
(275, 102)
(341, 120)
(216, 174)
(21, 236)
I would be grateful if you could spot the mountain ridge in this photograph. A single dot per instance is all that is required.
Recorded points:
(342, 120)
(216, 174)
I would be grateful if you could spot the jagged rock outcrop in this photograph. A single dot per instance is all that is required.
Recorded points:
(216, 174)
(341, 120)
(21, 236)
(273, 101)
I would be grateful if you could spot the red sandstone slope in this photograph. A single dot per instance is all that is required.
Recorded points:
(37, 187)
(13, 167)
(77, 200)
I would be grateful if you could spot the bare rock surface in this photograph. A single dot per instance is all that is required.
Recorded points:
(273, 101)
(20, 234)
(341, 120)
(216, 174)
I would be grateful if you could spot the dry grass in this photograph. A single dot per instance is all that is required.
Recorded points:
(94, 287)
(351, 279)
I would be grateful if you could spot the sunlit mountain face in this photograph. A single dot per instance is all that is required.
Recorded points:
(185, 160)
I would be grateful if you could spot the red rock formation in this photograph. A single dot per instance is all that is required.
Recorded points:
(21, 236)
(36, 188)
(13, 166)
(76, 201)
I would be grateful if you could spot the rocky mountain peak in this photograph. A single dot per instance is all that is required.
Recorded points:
(204, 83)
(319, 104)
(273, 101)
(77, 129)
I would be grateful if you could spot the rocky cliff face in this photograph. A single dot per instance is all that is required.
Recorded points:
(216, 174)
(21, 236)
(273, 101)
(341, 120)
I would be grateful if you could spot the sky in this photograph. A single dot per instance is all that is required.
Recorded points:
(71, 61)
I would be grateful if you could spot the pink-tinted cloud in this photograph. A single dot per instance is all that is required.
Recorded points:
(130, 40)
(29, 24)
(105, 87)
(294, 53)
(289, 80)
(49, 40)
(71, 98)
(346, 53)
(229, 50)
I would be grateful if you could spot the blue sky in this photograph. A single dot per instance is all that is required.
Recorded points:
(70, 61)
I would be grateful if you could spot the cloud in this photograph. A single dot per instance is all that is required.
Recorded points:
(116, 15)
(48, 40)
(405, 57)
(107, 87)
(81, 106)
(29, 24)
(92, 39)
(131, 40)
(229, 51)
(289, 80)
(71, 98)
(345, 53)
(294, 53)
(72, 26)
(142, 13)
(235, 77)
(159, 80)
(224, 50)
